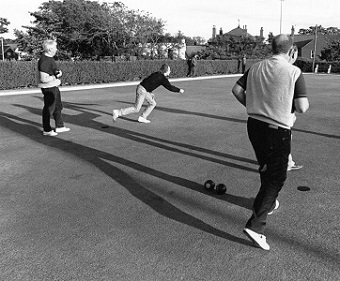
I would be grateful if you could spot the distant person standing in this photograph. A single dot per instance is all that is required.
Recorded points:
(144, 93)
(49, 80)
(193, 66)
(269, 90)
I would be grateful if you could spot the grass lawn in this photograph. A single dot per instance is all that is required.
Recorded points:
(126, 202)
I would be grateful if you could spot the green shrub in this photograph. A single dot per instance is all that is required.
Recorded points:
(17, 74)
(22, 74)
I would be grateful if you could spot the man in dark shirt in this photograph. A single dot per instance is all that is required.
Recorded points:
(48, 77)
(144, 92)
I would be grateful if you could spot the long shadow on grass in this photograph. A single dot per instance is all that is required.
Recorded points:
(230, 119)
(150, 140)
(186, 112)
(100, 160)
(86, 119)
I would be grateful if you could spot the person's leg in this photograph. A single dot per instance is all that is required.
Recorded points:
(140, 97)
(151, 105)
(48, 109)
(58, 118)
(272, 147)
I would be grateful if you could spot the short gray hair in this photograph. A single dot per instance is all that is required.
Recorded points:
(281, 44)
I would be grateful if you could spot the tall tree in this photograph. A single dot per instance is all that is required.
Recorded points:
(321, 30)
(3, 25)
(331, 52)
(86, 28)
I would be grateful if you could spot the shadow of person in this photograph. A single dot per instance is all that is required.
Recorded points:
(87, 119)
(100, 160)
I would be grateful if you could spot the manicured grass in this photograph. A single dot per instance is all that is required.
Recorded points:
(127, 202)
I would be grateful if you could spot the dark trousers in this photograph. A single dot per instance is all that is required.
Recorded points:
(193, 70)
(52, 107)
(272, 147)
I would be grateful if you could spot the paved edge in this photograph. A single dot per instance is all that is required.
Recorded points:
(120, 84)
(105, 85)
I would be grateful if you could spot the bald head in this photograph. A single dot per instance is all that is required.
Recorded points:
(281, 44)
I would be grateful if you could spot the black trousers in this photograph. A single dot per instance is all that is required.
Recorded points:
(272, 148)
(52, 107)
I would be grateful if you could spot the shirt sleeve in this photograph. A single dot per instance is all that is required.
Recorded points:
(300, 90)
(243, 80)
(167, 85)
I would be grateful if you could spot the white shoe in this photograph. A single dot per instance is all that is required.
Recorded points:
(277, 204)
(115, 115)
(141, 119)
(62, 129)
(50, 133)
(294, 167)
(258, 239)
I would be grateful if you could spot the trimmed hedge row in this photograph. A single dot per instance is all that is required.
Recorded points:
(22, 74)
(306, 65)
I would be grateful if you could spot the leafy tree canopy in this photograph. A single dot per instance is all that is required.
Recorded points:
(320, 29)
(3, 25)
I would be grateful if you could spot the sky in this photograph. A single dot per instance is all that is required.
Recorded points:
(197, 18)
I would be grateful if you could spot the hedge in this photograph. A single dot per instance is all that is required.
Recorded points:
(22, 74)
(306, 65)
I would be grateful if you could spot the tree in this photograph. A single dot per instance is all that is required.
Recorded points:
(331, 52)
(3, 25)
(86, 29)
(198, 40)
(321, 30)
(74, 23)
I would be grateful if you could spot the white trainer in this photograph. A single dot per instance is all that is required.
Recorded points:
(258, 239)
(62, 129)
(277, 204)
(50, 133)
(115, 115)
(141, 119)
(294, 167)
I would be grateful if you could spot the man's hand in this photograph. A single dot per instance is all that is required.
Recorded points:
(181, 91)
(58, 73)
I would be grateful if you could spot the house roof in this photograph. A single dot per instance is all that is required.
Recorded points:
(238, 31)
(303, 43)
(328, 38)
(300, 38)
(12, 46)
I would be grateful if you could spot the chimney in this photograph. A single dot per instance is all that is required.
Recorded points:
(292, 31)
(221, 31)
(261, 32)
(214, 32)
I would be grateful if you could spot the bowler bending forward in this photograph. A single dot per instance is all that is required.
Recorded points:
(144, 92)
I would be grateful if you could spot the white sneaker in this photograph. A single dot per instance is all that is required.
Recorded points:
(277, 204)
(258, 239)
(50, 133)
(141, 119)
(115, 115)
(62, 129)
(294, 167)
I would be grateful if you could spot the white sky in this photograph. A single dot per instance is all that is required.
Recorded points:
(196, 18)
